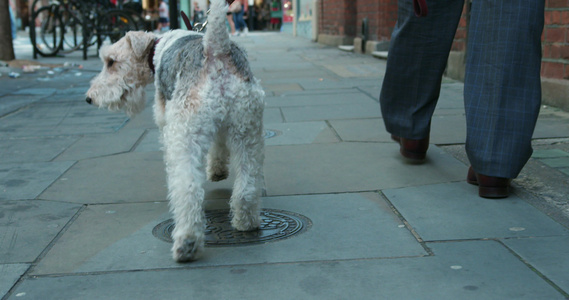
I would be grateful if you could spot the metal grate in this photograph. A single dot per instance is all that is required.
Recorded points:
(275, 225)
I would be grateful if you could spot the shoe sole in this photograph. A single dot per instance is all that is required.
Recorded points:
(493, 192)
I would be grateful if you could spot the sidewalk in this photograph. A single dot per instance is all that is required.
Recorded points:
(84, 215)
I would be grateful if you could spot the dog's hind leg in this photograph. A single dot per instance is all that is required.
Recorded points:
(218, 158)
(185, 156)
(245, 203)
(159, 109)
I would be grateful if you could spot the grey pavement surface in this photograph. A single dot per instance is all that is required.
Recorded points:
(83, 189)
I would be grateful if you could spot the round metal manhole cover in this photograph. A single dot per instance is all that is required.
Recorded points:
(271, 133)
(275, 225)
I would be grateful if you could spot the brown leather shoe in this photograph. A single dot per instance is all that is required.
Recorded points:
(489, 186)
(414, 150)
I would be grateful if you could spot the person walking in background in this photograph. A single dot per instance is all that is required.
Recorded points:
(231, 23)
(263, 16)
(12, 9)
(502, 87)
(238, 9)
(199, 14)
(164, 16)
(276, 15)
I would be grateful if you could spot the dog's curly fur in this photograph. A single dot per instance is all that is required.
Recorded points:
(207, 104)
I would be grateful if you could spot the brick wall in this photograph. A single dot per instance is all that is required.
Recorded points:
(387, 19)
(344, 17)
(367, 9)
(555, 40)
(337, 17)
(459, 43)
(381, 15)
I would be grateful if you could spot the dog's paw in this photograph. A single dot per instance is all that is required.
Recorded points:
(219, 176)
(246, 223)
(186, 250)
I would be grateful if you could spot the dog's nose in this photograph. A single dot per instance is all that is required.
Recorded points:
(89, 100)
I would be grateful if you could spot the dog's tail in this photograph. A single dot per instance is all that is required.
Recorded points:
(216, 40)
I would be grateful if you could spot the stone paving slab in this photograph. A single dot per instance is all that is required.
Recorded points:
(37, 92)
(356, 70)
(300, 133)
(279, 88)
(59, 119)
(276, 66)
(77, 91)
(143, 121)
(317, 93)
(560, 162)
(326, 84)
(34, 149)
(107, 225)
(358, 130)
(358, 82)
(444, 130)
(372, 90)
(319, 83)
(129, 177)
(61, 123)
(27, 180)
(12, 103)
(331, 112)
(547, 254)
(551, 127)
(150, 142)
(9, 274)
(334, 97)
(272, 115)
(549, 153)
(451, 95)
(102, 144)
(453, 211)
(112, 247)
(261, 71)
(66, 109)
(29, 226)
(352, 167)
(467, 270)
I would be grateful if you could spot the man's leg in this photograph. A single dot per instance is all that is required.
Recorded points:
(418, 55)
(502, 86)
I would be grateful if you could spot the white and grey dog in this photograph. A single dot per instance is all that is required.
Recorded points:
(207, 104)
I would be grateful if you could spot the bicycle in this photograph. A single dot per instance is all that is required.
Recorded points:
(70, 25)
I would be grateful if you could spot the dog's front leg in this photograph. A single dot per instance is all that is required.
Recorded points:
(185, 157)
(245, 200)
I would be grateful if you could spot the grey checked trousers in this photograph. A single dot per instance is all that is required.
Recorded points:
(502, 89)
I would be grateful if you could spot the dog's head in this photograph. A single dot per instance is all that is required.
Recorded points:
(126, 72)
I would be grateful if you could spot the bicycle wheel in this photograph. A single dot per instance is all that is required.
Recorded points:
(47, 35)
(35, 6)
(114, 25)
(72, 32)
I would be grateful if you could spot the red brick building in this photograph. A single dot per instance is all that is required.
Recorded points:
(367, 24)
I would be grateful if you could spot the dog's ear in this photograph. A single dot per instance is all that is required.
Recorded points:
(140, 42)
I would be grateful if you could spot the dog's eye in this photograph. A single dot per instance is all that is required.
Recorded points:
(110, 63)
